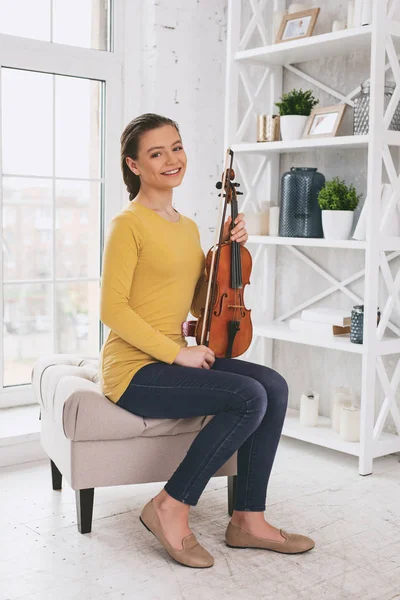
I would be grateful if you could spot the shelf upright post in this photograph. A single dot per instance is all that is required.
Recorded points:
(275, 90)
(371, 283)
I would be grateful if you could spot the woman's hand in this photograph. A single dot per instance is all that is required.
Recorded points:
(239, 233)
(201, 357)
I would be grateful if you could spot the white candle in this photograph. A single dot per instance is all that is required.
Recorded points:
(350, 423)
(338, 25)
(297, 7)
(253, 223)
(366, 12)
(257, 222)
(341, 396)
(350, 14)
(264, 217)
(309, 409)
(274, 220)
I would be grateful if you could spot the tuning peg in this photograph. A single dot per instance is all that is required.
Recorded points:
(239, 193)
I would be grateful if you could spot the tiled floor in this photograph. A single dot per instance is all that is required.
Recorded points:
(354, 520)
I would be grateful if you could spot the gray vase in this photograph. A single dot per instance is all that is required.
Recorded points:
(300, 214)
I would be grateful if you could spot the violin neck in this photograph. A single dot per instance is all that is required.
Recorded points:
(234, 210)
(236, 263)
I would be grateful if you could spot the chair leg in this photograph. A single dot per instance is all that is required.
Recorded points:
(84, 509)
(231, 493)
(56, 477)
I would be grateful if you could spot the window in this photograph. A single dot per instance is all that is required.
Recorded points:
(60, 179)
(83, 23)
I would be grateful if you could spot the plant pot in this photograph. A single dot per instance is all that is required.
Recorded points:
(337, 224)
(292, 127)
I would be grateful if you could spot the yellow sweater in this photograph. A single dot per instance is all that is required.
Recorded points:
(153, 274)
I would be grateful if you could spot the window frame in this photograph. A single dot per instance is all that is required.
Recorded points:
(101, 65)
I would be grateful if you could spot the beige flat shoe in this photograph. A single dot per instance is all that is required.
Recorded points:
(294, 543)
(192, 553)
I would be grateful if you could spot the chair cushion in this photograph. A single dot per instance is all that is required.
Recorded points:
(67, 387)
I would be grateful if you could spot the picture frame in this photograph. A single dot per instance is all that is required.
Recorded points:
(324, 121)
(297, 25)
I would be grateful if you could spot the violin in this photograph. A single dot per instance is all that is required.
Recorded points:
(225, 324)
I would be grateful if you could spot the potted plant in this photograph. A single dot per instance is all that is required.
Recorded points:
(337, 201)
(294, 109)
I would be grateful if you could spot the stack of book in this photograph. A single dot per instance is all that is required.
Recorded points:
(323, 321)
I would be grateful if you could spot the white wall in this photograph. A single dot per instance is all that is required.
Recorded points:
(183, 77)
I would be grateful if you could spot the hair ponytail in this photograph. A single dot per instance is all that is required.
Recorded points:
(130, 139)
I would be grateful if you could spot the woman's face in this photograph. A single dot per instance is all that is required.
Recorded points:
(161, 161)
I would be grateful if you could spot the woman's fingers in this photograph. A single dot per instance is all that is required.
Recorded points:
(239, 233)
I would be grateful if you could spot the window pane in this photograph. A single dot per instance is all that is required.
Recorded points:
(78, 229)
(26, 18)
(27, 122)
(78, 115)
(78, 317)
(27, 329)
(27, 228)
(81, 23)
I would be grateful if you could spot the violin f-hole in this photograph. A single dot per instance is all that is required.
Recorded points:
(217, 314)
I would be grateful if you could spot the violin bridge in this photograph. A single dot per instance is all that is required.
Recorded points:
(235, 306)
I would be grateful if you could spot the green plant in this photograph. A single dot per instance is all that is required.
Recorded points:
(297, 102)
(336, 195)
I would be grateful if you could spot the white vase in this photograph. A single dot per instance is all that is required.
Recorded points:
(337, 224)
(292, 127)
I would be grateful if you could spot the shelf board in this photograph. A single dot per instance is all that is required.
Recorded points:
(387, 244)
(303, 145)
(312, 242)
(278, 330)
(281, 331)
(324, 435)
(315, 47)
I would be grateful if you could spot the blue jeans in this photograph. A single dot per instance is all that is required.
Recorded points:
(249, 402)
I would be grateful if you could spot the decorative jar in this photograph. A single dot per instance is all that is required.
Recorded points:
(300, 213)
(357, 323)
(361, 109)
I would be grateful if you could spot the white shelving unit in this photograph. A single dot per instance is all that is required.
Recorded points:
(382, 37)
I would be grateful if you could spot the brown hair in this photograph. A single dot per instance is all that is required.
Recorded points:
(130, 139)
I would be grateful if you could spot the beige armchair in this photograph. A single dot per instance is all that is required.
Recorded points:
(92, 442)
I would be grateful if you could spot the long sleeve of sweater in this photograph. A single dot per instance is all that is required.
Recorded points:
(120, 259)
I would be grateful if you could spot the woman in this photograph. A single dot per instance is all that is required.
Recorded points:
(153, 274)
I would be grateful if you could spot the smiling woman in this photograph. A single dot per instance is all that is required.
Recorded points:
(153, 274)
(145, 163)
